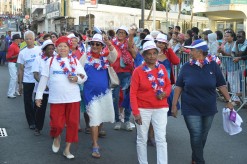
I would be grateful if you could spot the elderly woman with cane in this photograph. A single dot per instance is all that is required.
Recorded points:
(64, 72)
(197, 83)
(150, 88)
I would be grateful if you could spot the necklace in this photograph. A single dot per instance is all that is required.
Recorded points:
(158, 87)
(103, 63)
(124, 49)
(44, 57)
(71, 63)
(207, 60)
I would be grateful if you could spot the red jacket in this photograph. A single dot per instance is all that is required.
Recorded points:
(142, 95)
(12, 51)
(174, 59)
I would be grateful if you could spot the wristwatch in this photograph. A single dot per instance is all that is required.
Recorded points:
(229, 101)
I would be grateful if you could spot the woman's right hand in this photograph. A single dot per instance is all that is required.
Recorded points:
(38, 102)
(174, 111)
(138, 119)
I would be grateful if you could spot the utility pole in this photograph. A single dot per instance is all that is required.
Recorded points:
(154, 14)
(143, 13)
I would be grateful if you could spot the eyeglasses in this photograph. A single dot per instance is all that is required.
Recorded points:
(53, 36)
(238, 36)
(95, 43)
(122, 32)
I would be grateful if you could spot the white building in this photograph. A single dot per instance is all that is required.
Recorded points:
(224, 13)
(51, 17)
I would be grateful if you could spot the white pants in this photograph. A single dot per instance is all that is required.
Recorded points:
(159, 122)
(13, 78)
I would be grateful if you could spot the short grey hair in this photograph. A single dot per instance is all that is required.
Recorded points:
(28, 33)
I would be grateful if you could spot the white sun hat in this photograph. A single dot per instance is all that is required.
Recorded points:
(148, 45)
(161, 38)
(72, 35)
(149, 38)
(155, 34)
(97, 38)
(124, 28)
(46, 43)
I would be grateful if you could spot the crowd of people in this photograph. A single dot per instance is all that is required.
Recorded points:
(72, 73)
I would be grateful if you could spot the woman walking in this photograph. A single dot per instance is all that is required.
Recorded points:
(96, 91)
(65, 73)
(150, 87)
(197, 83)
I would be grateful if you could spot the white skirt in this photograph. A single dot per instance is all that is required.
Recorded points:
(101, 109)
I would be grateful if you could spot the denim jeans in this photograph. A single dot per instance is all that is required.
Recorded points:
(124, 78)
(198, 127)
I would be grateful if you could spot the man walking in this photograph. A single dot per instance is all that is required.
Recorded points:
(25, 60)
(12, 56)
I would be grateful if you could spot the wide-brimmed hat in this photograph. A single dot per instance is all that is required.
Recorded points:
(72, 35)
(199, 45)
(63, 39)
(46, 43)
(148, 45)
(16, 36)
(97, 38)
(147, 38)
(155, 33)
(161, 38)
(123, 28)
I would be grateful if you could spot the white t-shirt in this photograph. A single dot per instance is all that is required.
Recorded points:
(37, 66)
(26, 57)
(61, 90)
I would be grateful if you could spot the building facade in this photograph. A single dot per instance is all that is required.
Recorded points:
(224, 14)
(11, 7)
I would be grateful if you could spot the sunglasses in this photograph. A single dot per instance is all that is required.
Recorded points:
(94, 43)
(239, 36)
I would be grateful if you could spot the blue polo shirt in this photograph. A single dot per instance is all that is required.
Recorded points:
(198, 96)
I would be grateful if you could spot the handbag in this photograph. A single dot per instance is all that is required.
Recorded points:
(113, 78)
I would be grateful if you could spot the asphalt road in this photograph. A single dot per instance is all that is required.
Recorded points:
(22, 147)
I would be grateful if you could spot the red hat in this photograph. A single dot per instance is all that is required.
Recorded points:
(64, 39)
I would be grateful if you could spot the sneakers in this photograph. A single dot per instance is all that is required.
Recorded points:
(17, 93)
(128, 126)
(117, 126)
(11, 97)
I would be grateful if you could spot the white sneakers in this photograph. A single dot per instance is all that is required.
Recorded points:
(127, 125)
(117, 126)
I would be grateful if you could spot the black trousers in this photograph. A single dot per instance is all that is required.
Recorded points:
(28, 102)
(40, 112)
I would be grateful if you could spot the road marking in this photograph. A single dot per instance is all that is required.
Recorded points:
(3, 132)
